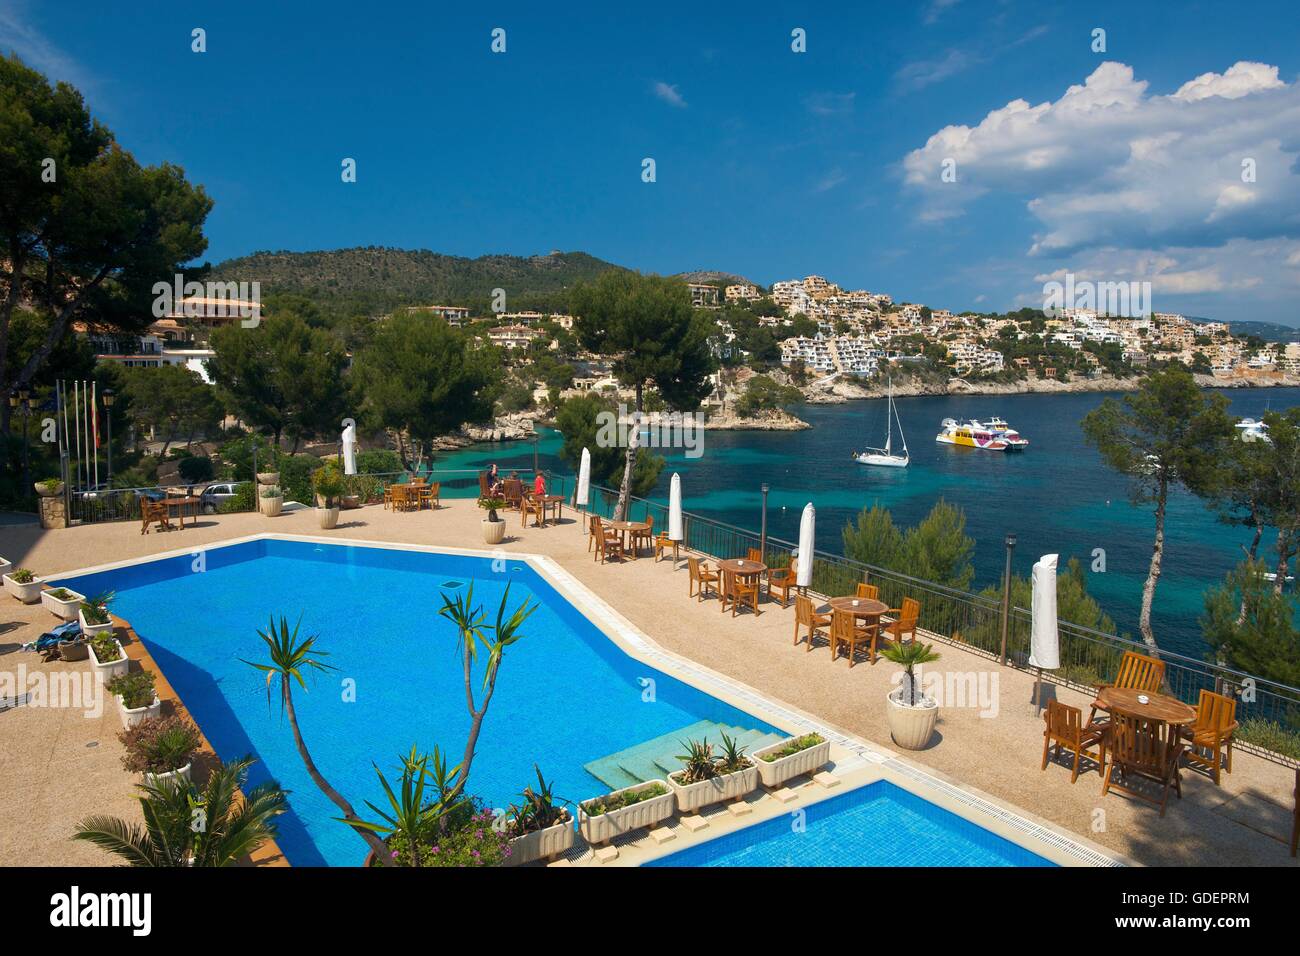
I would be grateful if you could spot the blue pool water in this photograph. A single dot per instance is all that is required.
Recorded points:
(566, 695)
(876, 825)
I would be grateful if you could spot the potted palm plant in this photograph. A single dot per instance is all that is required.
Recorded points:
(494, 529)
(23, 585)
(911, 713)
(136, 698)
(538, 828)
(328, 483)
(62, 603)
(708, 778)
(161, 748)
(631, 808)
(272, 501)
(235, 826)
(107, 657)
(94, 617)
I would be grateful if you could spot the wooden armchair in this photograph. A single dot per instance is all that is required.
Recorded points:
(1142, 748)
(845, 630)
(643, 539)
(662, 543)
(1138, 672)
(151, 512)
(701, 579)
(1216, 720)
(512, 490)
(434, 494)
(593, 530)
(738, 591)
(904, 620)
(868, 591)
(1065, 728)
(609, 542)
(806, 616)
(782, 579)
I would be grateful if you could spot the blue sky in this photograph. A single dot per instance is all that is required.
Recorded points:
(769, 163)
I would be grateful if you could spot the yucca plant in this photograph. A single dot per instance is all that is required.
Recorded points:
(411, 816)
(290, 658)
(732, 756)
(910, 655)
(539, 810)
(698, 761)
(184, 826)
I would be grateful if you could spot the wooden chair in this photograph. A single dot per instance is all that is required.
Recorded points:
(845, 630)
(904, 620)
(805, 616)
(512, 490)
(755, 555)
(1216, 720)
(868, 591)
(782, 579)
(644, 538)
(1295, 817)
(1142, 748)
(483, 490)
(609, 543)
(701, 579)
(433, 494)
(593, 529)
(1138, 672)
(153, 511)
(738, 591)
(662, 543)
(388, 496)
(1065, 728)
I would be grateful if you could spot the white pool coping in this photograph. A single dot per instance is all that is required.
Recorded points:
(856, 761)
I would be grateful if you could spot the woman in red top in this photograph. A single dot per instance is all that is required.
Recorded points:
(539, 485)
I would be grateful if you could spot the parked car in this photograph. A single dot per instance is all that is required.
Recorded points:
(216, 494)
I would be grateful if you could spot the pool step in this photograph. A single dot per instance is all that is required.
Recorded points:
(655, 758)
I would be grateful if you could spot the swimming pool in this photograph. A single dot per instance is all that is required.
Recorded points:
(566, 694)
(880, 824)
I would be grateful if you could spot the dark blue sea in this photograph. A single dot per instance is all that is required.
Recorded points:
(1057, 496)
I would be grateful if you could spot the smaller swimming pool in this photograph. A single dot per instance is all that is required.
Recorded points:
(880, 824)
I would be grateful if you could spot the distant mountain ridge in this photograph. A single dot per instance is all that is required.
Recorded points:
(712, 275)
(372, 279)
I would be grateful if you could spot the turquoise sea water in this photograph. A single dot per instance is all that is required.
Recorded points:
(1057, 497)
(876, 825)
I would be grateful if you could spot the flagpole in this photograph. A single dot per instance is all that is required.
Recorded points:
(76, 422)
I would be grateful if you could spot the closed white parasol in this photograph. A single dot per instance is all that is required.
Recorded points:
(675, 509)
(584, 480)
(807, 527)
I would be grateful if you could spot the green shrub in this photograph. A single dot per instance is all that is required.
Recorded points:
(465, 836)
(159, 745)
(21, 576)
(243, 499)
(106, 648)
(793, 747)
(377, 462)
(195, 469)
(136, 689)
(617, 801)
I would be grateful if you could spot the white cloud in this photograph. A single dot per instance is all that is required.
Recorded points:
(832, 179)
(19, 34)
(1109, 162)
(830, 104)
(669, 94)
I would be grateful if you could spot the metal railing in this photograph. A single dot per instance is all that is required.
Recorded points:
(974, 622)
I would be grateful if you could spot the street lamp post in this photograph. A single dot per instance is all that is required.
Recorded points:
(1006, 595)
(21, 401)
(762, 537)
(109, 398)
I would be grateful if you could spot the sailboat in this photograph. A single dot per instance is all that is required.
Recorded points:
(885, 457)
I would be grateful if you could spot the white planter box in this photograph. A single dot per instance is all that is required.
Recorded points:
(67, 609)
(28, 593)
(606, 826)
(132, 717)
(912, 727)
(809, 760)
(158, 779)
(542, 844)
(730, 786)
(5, 565)
(90, 630)
(110, 669)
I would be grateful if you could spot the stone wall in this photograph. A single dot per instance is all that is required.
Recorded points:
(54, 513)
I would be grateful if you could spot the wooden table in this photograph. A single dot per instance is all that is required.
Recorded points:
(549, 501)
(741, 567)
(180, 504)
(624, 528)
(1168, 710)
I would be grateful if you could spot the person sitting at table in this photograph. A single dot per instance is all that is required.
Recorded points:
(539, 485)
(493, 480)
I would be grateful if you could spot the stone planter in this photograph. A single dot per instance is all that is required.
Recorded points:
(271, 507)
(912, 727)
(605, 826)
(66, 609)
(806, 761)
(28, 593)
(268, 477)
(133, 716)
(542, 844)
(49, 491)
(329, 517)
(90, 630)
(159, 779)
(107, 670)
(729, 786)
(5, 565)
(76, 650)
(494, 532)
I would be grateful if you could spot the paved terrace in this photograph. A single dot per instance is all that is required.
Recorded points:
(57, 766)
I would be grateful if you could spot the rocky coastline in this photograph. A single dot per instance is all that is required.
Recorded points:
(845, 391)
